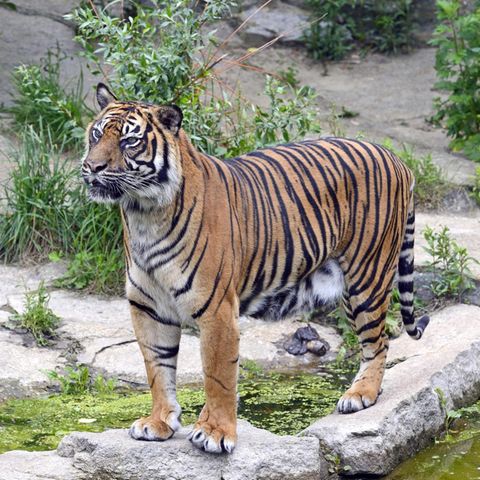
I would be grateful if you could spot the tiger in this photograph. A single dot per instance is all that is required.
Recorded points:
(269, 234)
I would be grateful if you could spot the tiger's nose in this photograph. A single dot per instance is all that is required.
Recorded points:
(96, 167)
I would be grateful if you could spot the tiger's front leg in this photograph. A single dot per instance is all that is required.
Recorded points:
(158, 335)
(216, 428)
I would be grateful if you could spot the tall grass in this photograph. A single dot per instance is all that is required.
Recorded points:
(47, 210)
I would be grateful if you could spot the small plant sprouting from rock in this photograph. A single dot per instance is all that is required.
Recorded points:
(77, 380)
(450, 414)
(335, 467)
(450, 261)
(37, 317)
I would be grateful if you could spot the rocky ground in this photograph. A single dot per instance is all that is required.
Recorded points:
(392, 97)
(406, 417)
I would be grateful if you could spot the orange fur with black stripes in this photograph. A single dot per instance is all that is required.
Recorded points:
(271, 233)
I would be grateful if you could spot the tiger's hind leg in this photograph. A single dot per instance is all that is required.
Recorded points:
(366, 306)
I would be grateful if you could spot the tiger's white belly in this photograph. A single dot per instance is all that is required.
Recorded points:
(323, 286)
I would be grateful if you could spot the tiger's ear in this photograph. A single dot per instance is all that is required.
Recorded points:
(104, 95)
(170, 117)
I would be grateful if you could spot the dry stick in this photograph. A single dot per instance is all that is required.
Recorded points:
(225, 42)
(269, 43)
(94, 8)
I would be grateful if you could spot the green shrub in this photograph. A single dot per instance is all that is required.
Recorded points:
(37, 317)
(47, 211)
(337, 26)
(457, 62)
(162, 56)
(41, 101)
(450, 261)
(78, 380)
(430, 182)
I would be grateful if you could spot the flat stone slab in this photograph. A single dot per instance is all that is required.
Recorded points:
(259, 455)
(18, 280)
(20, 465)
(408, 414)
(102, 330)
(23, 371)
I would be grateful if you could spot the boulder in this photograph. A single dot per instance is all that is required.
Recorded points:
(259, 455)
(409, 414)
(271, 21)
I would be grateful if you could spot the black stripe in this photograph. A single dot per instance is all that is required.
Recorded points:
(152, 314)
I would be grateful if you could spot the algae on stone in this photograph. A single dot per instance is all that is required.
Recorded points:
(281, 403)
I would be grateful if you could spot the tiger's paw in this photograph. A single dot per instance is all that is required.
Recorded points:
(355, 399)
(146, 428)
(213, 439)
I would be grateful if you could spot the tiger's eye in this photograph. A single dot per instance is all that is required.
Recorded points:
(96, 134)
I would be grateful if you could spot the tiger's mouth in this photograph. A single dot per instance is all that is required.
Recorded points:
(101, 191)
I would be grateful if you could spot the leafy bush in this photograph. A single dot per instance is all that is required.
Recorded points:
(430, 182)
(162, 55)
(77, 380)
(47, 211)
(37, 317)
(40, 100)
(450, 261)
(457, 38)
(383, 26)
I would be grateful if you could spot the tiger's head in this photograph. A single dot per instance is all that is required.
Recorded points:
(133, 153)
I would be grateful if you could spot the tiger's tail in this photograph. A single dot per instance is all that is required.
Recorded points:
(414, 327)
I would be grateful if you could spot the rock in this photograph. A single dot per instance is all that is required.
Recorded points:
(306, 339)
(318, 347)
(23, 371)
(408, 415)
(18, 280)
(307, 333)
(295, 346)
(270, 22)
(422, 281)
(29, 32)
(18, 465)
(259, 455)
(458, 200)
